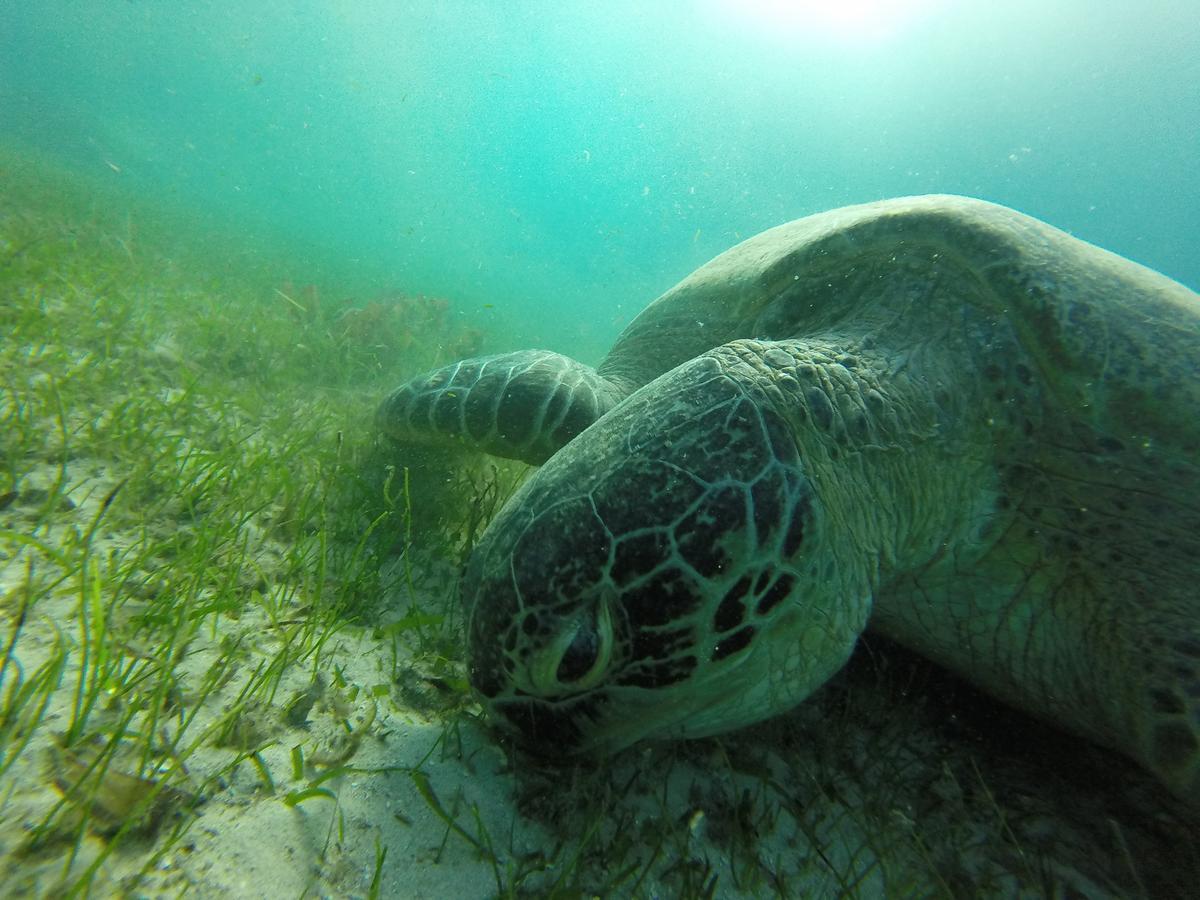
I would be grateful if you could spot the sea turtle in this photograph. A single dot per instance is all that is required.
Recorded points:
(933, 416)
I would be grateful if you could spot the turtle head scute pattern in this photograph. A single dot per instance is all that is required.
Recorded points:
(637, 569)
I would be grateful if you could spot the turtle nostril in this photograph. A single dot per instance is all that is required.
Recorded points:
(580, 656)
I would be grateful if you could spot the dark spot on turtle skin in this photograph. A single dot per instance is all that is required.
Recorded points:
(639, 555)
(794, 537)
(1110, 444)
(729, 444)
(992, 372)
(820, 407)
(1174, 745)
(665, 597)
(730, 614)
(739, 640)
(738, 591)
(645, 677)
(760, 584)
(1023, 374)
(529, 625)
(1165, 702)
(766, 505)
(777, 594)
(659, 646)
(658, 675)
(721, 515)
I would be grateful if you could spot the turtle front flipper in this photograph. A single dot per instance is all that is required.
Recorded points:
(523, 405)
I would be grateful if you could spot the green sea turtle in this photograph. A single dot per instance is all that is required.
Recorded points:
(934, 416)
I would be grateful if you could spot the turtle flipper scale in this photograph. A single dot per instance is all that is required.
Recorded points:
(523, 405)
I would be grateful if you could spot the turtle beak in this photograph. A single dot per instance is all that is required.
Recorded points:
(541, 728)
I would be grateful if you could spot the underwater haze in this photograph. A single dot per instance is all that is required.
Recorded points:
(243, 243)
(550, 167)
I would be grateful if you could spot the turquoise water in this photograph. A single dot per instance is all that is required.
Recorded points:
(547, 168)
(555, 165)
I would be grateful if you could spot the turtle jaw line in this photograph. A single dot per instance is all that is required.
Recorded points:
(661, 721)
(645, 715)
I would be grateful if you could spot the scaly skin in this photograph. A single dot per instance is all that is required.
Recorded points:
(820, 473)
(522, 405)
(932, 415)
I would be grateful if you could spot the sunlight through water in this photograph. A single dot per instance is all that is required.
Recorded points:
(852, 22)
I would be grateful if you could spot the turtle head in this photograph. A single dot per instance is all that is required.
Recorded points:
(664, 575)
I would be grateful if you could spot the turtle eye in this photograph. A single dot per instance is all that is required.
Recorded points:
(575, 659)
(580, 656)
(583, 662)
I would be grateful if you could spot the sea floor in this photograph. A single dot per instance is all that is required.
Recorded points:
(231, 664)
